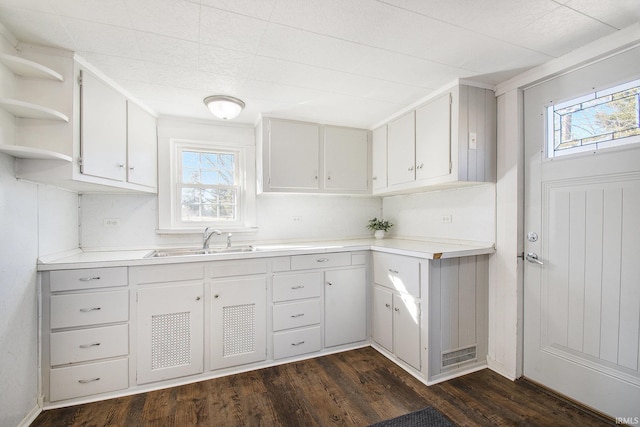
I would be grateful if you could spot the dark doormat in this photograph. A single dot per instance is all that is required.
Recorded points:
(427, 417)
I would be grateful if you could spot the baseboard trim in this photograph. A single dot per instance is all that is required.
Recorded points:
(31, 416)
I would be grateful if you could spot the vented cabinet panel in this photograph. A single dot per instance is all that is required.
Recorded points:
(238, 312)
(170, 332)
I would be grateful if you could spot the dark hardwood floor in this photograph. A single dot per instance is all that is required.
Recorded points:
(354, 388)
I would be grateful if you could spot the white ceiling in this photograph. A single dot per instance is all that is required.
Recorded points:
(348, 62)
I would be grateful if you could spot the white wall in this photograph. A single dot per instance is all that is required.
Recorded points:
(505, 269)
(419, 215)
(29, 214)
(323, 218)
(18, 296)
(34, 220)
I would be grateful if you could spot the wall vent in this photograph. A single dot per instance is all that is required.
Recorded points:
(459, 356)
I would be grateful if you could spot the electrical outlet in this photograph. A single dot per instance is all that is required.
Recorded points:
(296, 219)
(111, 222)
(447, 219)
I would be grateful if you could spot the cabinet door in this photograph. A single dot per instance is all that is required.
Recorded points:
(293, 155)
(170, 332)
(401, 150)
(379, 163)
(142, 147)
(433, 138)
(345, 318)
(406, 329)
(382, 317)
(239, 318)
(103, 124)
(346, 159)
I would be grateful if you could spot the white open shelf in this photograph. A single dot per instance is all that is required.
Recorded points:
(32, 153)
(31, 111)
(24, 67)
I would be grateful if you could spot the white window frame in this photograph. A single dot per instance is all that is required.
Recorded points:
(169, 215)
(593, 148)
(178, 148)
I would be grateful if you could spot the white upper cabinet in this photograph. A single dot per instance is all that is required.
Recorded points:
(142, 147)
(293, 156)
(303, 157)
(105, 136)
(379, 157)
(401, 150)
(433, 138)
(449, 141)
(345, 159)
(103, 133)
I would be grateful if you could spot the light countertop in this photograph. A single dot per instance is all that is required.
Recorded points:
(415, 248)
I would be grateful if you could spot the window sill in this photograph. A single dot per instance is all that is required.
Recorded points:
(199, 230)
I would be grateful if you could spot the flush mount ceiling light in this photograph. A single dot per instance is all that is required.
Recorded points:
(224, 107)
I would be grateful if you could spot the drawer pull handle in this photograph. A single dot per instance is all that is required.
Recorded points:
(387, 305)
(297, 287)
(393, 271)
(297, 315)
(90, 380)
(88, 279)
(322, 260)
(86, 310)
(295, 344)
(396, 309)
(330, 283)
(93, 344)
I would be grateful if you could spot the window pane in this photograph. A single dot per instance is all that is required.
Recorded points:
(594, 121)
(208, 168)
(208, 204)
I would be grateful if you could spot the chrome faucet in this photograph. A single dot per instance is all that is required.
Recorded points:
(206, 236)
(229, 241)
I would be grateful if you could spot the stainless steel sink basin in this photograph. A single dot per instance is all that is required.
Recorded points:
(161, 253)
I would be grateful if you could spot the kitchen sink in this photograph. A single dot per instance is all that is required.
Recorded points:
(161, 253)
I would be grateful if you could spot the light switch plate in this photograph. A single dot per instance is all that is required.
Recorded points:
(473, 140)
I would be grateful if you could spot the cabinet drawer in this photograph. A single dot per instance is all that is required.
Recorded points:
(89, 309)
(166, 273)
(296, 314)
(296, 286)
(296, 342)
(397, 272)
(305, 262)
(238, 267)
(85, 380)
(89, 344)
(87, 278)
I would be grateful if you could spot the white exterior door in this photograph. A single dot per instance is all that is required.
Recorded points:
(582, 294)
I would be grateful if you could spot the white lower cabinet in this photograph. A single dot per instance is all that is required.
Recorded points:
(170, 338)
(85, 332)
(396, 316)
(296, 342)
(406, 329)
(88, 379)
(183, 320)
(431, 314)
(296, 313)
(345, 306)
(238, 325)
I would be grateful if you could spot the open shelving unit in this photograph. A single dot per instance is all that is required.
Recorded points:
(21, 152)
(26, 68)
(31, 111)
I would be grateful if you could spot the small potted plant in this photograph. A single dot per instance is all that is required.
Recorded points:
(379, 226)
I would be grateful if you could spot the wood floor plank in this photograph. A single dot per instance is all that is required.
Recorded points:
(353, 388)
